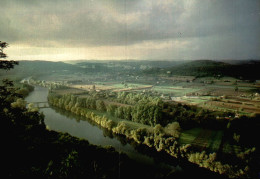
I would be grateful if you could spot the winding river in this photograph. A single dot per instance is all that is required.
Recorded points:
(63, 121)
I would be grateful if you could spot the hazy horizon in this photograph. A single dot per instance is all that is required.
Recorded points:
(133, 60)
(130, 29)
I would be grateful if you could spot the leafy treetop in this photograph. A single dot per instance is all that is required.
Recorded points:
(5, 64)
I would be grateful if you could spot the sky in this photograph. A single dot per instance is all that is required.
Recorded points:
(63, 30)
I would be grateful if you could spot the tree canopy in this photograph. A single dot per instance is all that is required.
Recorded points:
(5, 64)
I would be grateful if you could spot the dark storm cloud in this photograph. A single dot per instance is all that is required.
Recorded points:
(209, 23)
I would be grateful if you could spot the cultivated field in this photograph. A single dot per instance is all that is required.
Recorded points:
(202, 139)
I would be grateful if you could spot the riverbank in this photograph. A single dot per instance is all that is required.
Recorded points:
(79, 126)
(61, 121)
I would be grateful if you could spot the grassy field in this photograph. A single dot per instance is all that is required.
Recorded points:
(91, 87)
(130, 124)
(193, 100)
(174, 90)
(187, 136)
(234, 106)
(202, 139)
(116, 87)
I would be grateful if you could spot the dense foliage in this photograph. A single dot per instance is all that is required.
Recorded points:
(144, 109)
(5, 64)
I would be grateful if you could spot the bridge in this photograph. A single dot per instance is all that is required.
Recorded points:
(40, 105)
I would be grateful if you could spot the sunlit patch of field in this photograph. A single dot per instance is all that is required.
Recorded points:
(91, 87)
(144, 87)
(130, 124)
(116, 87)
(187, 136)
(248, 107)
(193, 100)
(174, 90)
(202, 139)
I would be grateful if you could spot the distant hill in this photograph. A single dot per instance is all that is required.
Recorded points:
(199, 68)
(203, 68)
(32, 68)
(122, 65)
(46, 68)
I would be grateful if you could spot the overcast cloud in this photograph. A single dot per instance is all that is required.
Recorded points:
(131, 29)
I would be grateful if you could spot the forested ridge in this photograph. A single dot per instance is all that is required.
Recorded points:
(204, 68)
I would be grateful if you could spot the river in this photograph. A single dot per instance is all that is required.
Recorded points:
(63, 121)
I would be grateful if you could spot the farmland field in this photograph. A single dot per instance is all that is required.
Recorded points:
(202, 139)
(235, 106)
(174, 90)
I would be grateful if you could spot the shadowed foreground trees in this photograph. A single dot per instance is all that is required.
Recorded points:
(5, 64)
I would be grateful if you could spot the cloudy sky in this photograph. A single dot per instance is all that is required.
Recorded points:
(130, 29)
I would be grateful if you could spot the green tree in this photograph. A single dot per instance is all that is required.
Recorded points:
(5, 64)
(111, 109)
(7, 90)
(100, 105)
